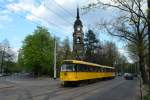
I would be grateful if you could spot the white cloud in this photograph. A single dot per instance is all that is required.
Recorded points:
(4, 19)
(34, 12)
(38, 13)
(61, 2)
(10, 0)
(15, 49)
(22, 5)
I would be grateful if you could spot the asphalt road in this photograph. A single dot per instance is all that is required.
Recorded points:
(47, 89)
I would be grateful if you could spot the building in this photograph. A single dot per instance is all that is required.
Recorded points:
(78, 38)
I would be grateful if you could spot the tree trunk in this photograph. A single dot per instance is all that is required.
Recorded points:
(142, 68)
(148, 17)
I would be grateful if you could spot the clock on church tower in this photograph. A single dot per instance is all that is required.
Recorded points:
(78, 28)
(78, 36)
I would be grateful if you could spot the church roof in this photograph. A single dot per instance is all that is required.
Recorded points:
(77, 21)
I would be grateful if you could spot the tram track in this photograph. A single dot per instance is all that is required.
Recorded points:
(78, 92)
(54, 91)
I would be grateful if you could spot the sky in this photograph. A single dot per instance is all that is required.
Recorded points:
(19, 18)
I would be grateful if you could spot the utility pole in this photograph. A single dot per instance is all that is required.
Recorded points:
(2, 60)
(55, 59)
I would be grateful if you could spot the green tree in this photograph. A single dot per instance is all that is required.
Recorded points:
(20, 62)
(63, 52)
(90, 42)
(67, 49)
(38, 50)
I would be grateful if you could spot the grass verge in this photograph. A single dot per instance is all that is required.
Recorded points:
(147, 97)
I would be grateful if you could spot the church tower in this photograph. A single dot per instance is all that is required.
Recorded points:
(78, 36)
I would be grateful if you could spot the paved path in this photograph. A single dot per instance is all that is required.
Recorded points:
(46, 89)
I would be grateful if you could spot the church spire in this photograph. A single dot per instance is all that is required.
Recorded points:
(78, 37)
(78, 16)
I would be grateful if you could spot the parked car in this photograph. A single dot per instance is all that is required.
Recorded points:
(4, 74)
(128, 76)
(119, 74)
(135, 75)
(1, 75)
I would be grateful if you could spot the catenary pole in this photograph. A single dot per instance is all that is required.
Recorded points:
(55, 59)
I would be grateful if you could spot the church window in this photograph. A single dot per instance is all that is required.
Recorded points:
(78, 40)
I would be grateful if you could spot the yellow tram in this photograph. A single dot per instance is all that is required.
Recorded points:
(77, 71)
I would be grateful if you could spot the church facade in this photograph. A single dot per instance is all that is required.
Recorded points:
(78, 38)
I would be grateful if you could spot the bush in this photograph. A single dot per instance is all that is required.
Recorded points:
(147, 97)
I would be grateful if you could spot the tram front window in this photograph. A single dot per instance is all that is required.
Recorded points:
(68, 67)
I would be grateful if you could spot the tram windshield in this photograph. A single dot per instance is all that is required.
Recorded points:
(68, 67)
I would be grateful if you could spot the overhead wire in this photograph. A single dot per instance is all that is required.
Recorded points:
(49, 22)
(52, 11)
(63, 8)
(21, 16)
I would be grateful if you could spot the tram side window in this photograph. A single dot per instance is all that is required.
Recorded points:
(96, 69)
(68, 67)
(103, 69)
(99, 69)
(90, 69)
(110, 70)
(93, 69)
(86, 68)
(82, 68)
(107, 70)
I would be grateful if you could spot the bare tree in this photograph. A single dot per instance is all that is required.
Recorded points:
(6, 56)
(131, 25)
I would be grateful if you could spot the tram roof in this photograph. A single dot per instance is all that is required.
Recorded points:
(86, 63)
